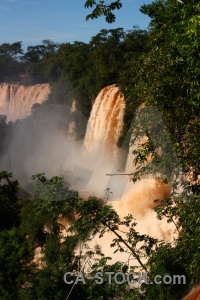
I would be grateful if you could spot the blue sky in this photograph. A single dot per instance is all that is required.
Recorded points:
(31, 21)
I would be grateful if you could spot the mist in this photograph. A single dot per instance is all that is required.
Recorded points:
(46, 141)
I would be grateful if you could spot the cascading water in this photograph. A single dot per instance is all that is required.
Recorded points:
(106, 122)
(103, 131)
(17, 100)
(104, 128)
(40, 146)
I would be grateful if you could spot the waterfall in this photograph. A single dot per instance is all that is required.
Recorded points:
(39, 145)
(104, 128)
(17, 100)
(106, 122)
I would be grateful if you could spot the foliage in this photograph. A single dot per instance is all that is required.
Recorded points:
(41, 223)
(159, 68)
(9, 204)
(78, 71)
(14, 249)
(3, 132)
(10, 64)
(168, 76)
(14, 256)
(103, 9)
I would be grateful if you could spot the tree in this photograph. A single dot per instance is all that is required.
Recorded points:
(164, 73)
(14, 260)
(167, 76)
(10, 61)
(51, 204)
(12, 50)
(3, 132)
(14, 249)
(102, 9)
(9, 204)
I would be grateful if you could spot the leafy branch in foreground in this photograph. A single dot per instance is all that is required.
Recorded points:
(58, 227)
(94, 218)
(102, 9)
(87, 218)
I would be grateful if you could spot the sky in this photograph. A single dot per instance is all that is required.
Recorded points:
(61, 21)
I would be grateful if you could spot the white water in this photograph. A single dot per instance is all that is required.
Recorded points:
(40, 146)
(17, 100)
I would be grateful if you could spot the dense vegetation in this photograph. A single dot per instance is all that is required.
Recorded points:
(75, 71)
(159, 68)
